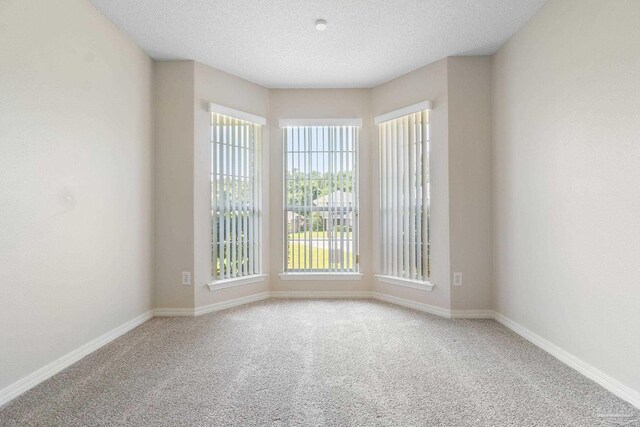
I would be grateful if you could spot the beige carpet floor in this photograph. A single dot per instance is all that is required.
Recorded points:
(317, 363)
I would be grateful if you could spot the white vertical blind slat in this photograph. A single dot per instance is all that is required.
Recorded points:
(330, 206)
(214, 197)
(404, 198)
(426, 190)
(234, 200)
(226, 190)
(395, 209)
(254, 204)
(307, 197)
(235, 197)
(355, 216)
(340, 200)
(412, 197)
(297, 186)
(382, 192)
(220, 184)
(250, 200)
(245, 201)
(389, 196)
(421, 218)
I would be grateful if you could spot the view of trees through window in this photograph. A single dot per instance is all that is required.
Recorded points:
(321, 198)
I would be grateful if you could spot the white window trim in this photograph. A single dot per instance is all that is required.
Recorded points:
(320, 122)
(404, 266)
(299, 274)
(236, 281)
(405, 111)
(214, 283)
(237, 114)
(407, 283)
(320, 276)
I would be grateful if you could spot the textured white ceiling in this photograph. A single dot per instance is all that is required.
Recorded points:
(274, 42)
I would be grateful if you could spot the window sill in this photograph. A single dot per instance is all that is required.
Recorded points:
(320, 276)
(236, 281)
(407, 283)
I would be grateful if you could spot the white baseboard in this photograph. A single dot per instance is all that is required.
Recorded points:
(173, 312)
(230, 303)
(413, 304)
(472, 314)
(594, 374)
(46, 372)
(606, 381)
(320, 294)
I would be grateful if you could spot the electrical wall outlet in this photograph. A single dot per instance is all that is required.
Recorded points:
(457, 279)
(186, 277)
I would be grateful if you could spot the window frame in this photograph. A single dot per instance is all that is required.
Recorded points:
(388, 276)
(253, 165)
(351, 125)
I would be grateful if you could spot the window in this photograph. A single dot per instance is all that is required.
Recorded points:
(235, 197)
(405, 196)
(321, 205)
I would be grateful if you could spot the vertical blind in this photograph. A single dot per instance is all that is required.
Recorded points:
(321, 202)
(405, 196)
(235, 197)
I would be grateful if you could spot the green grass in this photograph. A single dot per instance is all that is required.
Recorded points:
(298, 257)
(298, 252)
(318, 235)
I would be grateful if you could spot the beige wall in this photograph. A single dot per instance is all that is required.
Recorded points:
(174, 132)
(184, 90)
(566, 126)
(215, 86)
(319, 104)
(461, 221)
(470, 181)
(76, 167)
(426, 83)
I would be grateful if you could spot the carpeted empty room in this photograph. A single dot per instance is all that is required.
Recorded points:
(317, 362)
(319, 213)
